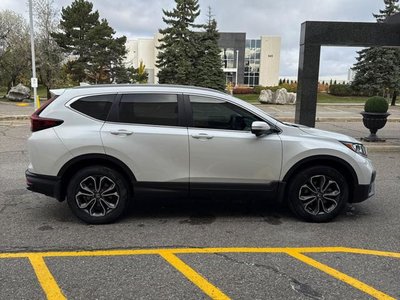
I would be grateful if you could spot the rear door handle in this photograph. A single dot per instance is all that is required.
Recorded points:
(202, 136)
(121, 132)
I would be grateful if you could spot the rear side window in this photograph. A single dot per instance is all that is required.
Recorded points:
(97, 106)
(152, 109)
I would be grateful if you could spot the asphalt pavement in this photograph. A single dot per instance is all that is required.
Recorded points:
(182, 249)
(219, 249)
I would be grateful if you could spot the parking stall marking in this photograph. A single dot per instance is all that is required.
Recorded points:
(341, 276)
(53, 291)
(202, 283)
(45, 278)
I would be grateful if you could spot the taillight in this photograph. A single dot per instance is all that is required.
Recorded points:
(39, 123)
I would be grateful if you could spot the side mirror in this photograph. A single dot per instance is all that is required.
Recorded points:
(259, 128)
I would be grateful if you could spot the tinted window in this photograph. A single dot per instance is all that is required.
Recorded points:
(155, 109)
(96, 107)
(219, 114)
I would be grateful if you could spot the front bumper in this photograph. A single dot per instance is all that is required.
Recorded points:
(364, 191)
(43, 184)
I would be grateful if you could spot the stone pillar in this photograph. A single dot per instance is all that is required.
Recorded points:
(307, 85)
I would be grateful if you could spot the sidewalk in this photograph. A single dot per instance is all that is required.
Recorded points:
(346, 119)
(341, 118)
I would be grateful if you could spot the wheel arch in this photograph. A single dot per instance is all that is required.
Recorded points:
(71, 167)
(322, 160)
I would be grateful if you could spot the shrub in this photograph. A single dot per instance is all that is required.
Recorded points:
(376, 105)
(341, 90)
(290, 87)
(243, 90)
(259, 88)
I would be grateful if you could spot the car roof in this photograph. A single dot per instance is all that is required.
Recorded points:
(103, 88)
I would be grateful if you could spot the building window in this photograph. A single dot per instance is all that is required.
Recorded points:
(252, 62)
(228, 57)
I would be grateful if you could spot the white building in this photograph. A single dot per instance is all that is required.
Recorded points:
(249, 61)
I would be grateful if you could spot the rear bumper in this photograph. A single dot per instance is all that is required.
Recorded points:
(43, 184)
(364, 191)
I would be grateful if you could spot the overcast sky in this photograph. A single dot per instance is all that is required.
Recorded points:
(142, 18)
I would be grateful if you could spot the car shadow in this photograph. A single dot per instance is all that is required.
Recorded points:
(207, 210)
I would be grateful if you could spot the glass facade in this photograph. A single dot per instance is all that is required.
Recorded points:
(252, 62)
(228, 57)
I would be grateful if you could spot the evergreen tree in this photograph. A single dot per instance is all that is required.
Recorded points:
(208, 67)
(378, 68)
(391, 8)
(93, 51)
(178, 51)
(139, 75)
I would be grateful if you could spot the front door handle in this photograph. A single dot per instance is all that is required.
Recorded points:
(202, 136)
(121, 132)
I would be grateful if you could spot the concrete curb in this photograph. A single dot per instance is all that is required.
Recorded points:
(14, 117)
(333, 119)
(380, 148)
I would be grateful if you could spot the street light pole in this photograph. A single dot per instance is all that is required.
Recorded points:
(237, 67)
(34, 82)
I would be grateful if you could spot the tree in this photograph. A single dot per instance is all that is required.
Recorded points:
(94, 54)
(391, 8)
(106, 53)
(139, 74)
(377, 68)
(15, 57)
(177, 51)
(48, 54)
(208, 66)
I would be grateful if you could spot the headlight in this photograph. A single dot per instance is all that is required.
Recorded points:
(356, 147)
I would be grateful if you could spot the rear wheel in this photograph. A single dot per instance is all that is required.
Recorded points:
(318, 194)
(97, 195)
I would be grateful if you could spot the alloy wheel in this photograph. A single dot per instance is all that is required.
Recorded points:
(97, 195)
(319, 195)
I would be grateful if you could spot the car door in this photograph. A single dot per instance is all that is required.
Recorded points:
(145, 131)
(224, 154)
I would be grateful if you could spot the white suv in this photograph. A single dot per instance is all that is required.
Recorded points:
(101, 146)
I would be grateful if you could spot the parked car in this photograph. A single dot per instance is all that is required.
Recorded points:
(100, 147)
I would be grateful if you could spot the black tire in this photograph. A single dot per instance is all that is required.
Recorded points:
(97, 195)
(318, 194)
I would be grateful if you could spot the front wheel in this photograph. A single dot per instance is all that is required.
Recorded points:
(318, 194)
(97, 195)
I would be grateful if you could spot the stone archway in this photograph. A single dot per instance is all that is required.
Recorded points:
(317, 34)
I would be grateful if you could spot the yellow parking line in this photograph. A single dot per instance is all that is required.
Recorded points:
(125, 252)
(209, 289)
(45, 278)
(341, 276)
(52, 290)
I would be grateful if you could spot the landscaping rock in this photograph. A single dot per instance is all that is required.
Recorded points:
(19, 93)
(266, 96)
(281, 96)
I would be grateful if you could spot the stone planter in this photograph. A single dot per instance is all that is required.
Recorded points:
(374, 122)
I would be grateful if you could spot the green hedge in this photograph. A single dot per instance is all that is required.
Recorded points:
(243, 90)
(259, 88)
(341, 90)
